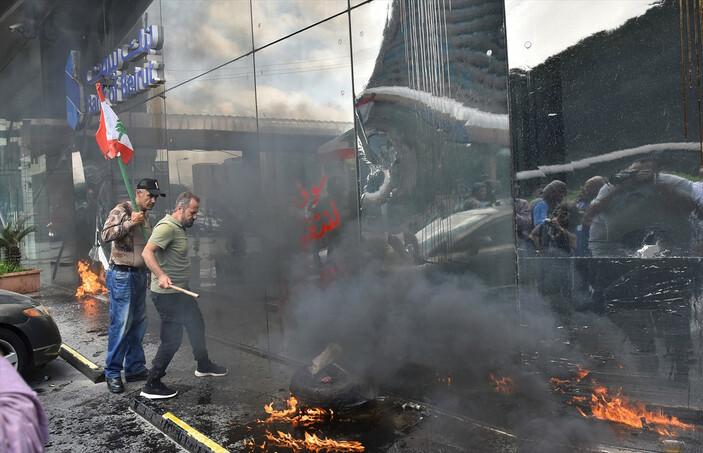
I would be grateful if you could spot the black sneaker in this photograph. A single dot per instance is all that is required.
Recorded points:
(137, 377)
(210, 369)
(156, 390)
(114, 385)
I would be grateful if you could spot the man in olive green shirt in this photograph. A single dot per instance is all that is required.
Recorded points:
(166, 255)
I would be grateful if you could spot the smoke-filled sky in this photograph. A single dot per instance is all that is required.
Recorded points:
(304, 77)
(538, 29)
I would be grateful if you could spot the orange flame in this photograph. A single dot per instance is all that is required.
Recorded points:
(560, 385)
(502, 384)
(581, 374)
(90, 281)
(617, 408)
(297, 416)
(313, 443)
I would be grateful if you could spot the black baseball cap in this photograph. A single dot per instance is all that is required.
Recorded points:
(150, 185)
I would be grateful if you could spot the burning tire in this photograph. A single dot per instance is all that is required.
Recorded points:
(330, 388)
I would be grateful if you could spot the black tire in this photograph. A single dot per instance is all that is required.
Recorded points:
(12, 344)
(338, 394)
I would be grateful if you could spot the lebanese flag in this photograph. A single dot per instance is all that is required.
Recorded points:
(112, 136)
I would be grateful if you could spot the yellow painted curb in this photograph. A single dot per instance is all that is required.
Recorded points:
(80, 357)
(195, 434)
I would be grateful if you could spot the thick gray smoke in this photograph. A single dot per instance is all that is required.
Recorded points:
(391, 319)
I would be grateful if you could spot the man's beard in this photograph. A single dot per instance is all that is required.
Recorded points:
(188, 223)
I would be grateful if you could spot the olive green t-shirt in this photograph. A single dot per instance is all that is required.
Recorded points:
(172, 254)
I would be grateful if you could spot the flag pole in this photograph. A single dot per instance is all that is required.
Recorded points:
(128, 186)
(130, 192)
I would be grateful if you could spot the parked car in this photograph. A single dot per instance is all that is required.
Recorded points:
(29, 337)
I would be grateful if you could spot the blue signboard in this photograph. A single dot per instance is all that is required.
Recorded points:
(125, 72)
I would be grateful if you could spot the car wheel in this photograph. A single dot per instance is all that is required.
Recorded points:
(12, 347)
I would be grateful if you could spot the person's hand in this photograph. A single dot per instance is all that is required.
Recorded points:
(164, 281)
(137, 218)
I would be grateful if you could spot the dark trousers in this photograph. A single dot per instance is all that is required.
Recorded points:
(177, 311)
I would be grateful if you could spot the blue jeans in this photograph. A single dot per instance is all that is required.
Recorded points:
(127, 291)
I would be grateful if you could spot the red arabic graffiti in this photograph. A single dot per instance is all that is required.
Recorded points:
(318, 223)
(331, 221)
(314, 190)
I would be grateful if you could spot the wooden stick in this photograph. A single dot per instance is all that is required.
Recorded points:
(185, 291)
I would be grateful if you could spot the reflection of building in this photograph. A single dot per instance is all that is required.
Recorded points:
(629, 96)
(428, 135)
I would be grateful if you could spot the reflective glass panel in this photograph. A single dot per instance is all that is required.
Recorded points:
(433, 127)
(606, 136)
(212, 152)
(203, 34)
(307, 158)
(274, 19)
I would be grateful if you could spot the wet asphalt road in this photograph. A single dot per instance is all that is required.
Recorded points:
(85, 417)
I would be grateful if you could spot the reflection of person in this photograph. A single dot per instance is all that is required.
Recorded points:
(596, 216)
(523, 217)
(552, 195)
(126, 283)
(552, 237)
(166, 255)
(589, 191)
(479, 192)
(478, 198)
(677, 193)
(23, 424)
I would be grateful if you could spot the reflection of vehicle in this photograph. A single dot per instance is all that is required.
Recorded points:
(28, 335)
(478, 240)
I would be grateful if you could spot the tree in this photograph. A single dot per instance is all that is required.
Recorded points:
(10, 239)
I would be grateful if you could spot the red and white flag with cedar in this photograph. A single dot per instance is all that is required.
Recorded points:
(112, 136)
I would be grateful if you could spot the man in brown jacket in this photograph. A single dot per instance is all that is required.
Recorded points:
(128, 230)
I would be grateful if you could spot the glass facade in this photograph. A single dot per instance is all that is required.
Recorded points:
(429, 184)
(607, 147)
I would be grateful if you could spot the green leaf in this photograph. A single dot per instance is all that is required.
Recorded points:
(121, 129)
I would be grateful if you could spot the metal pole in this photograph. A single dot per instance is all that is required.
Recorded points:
(130, 192)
